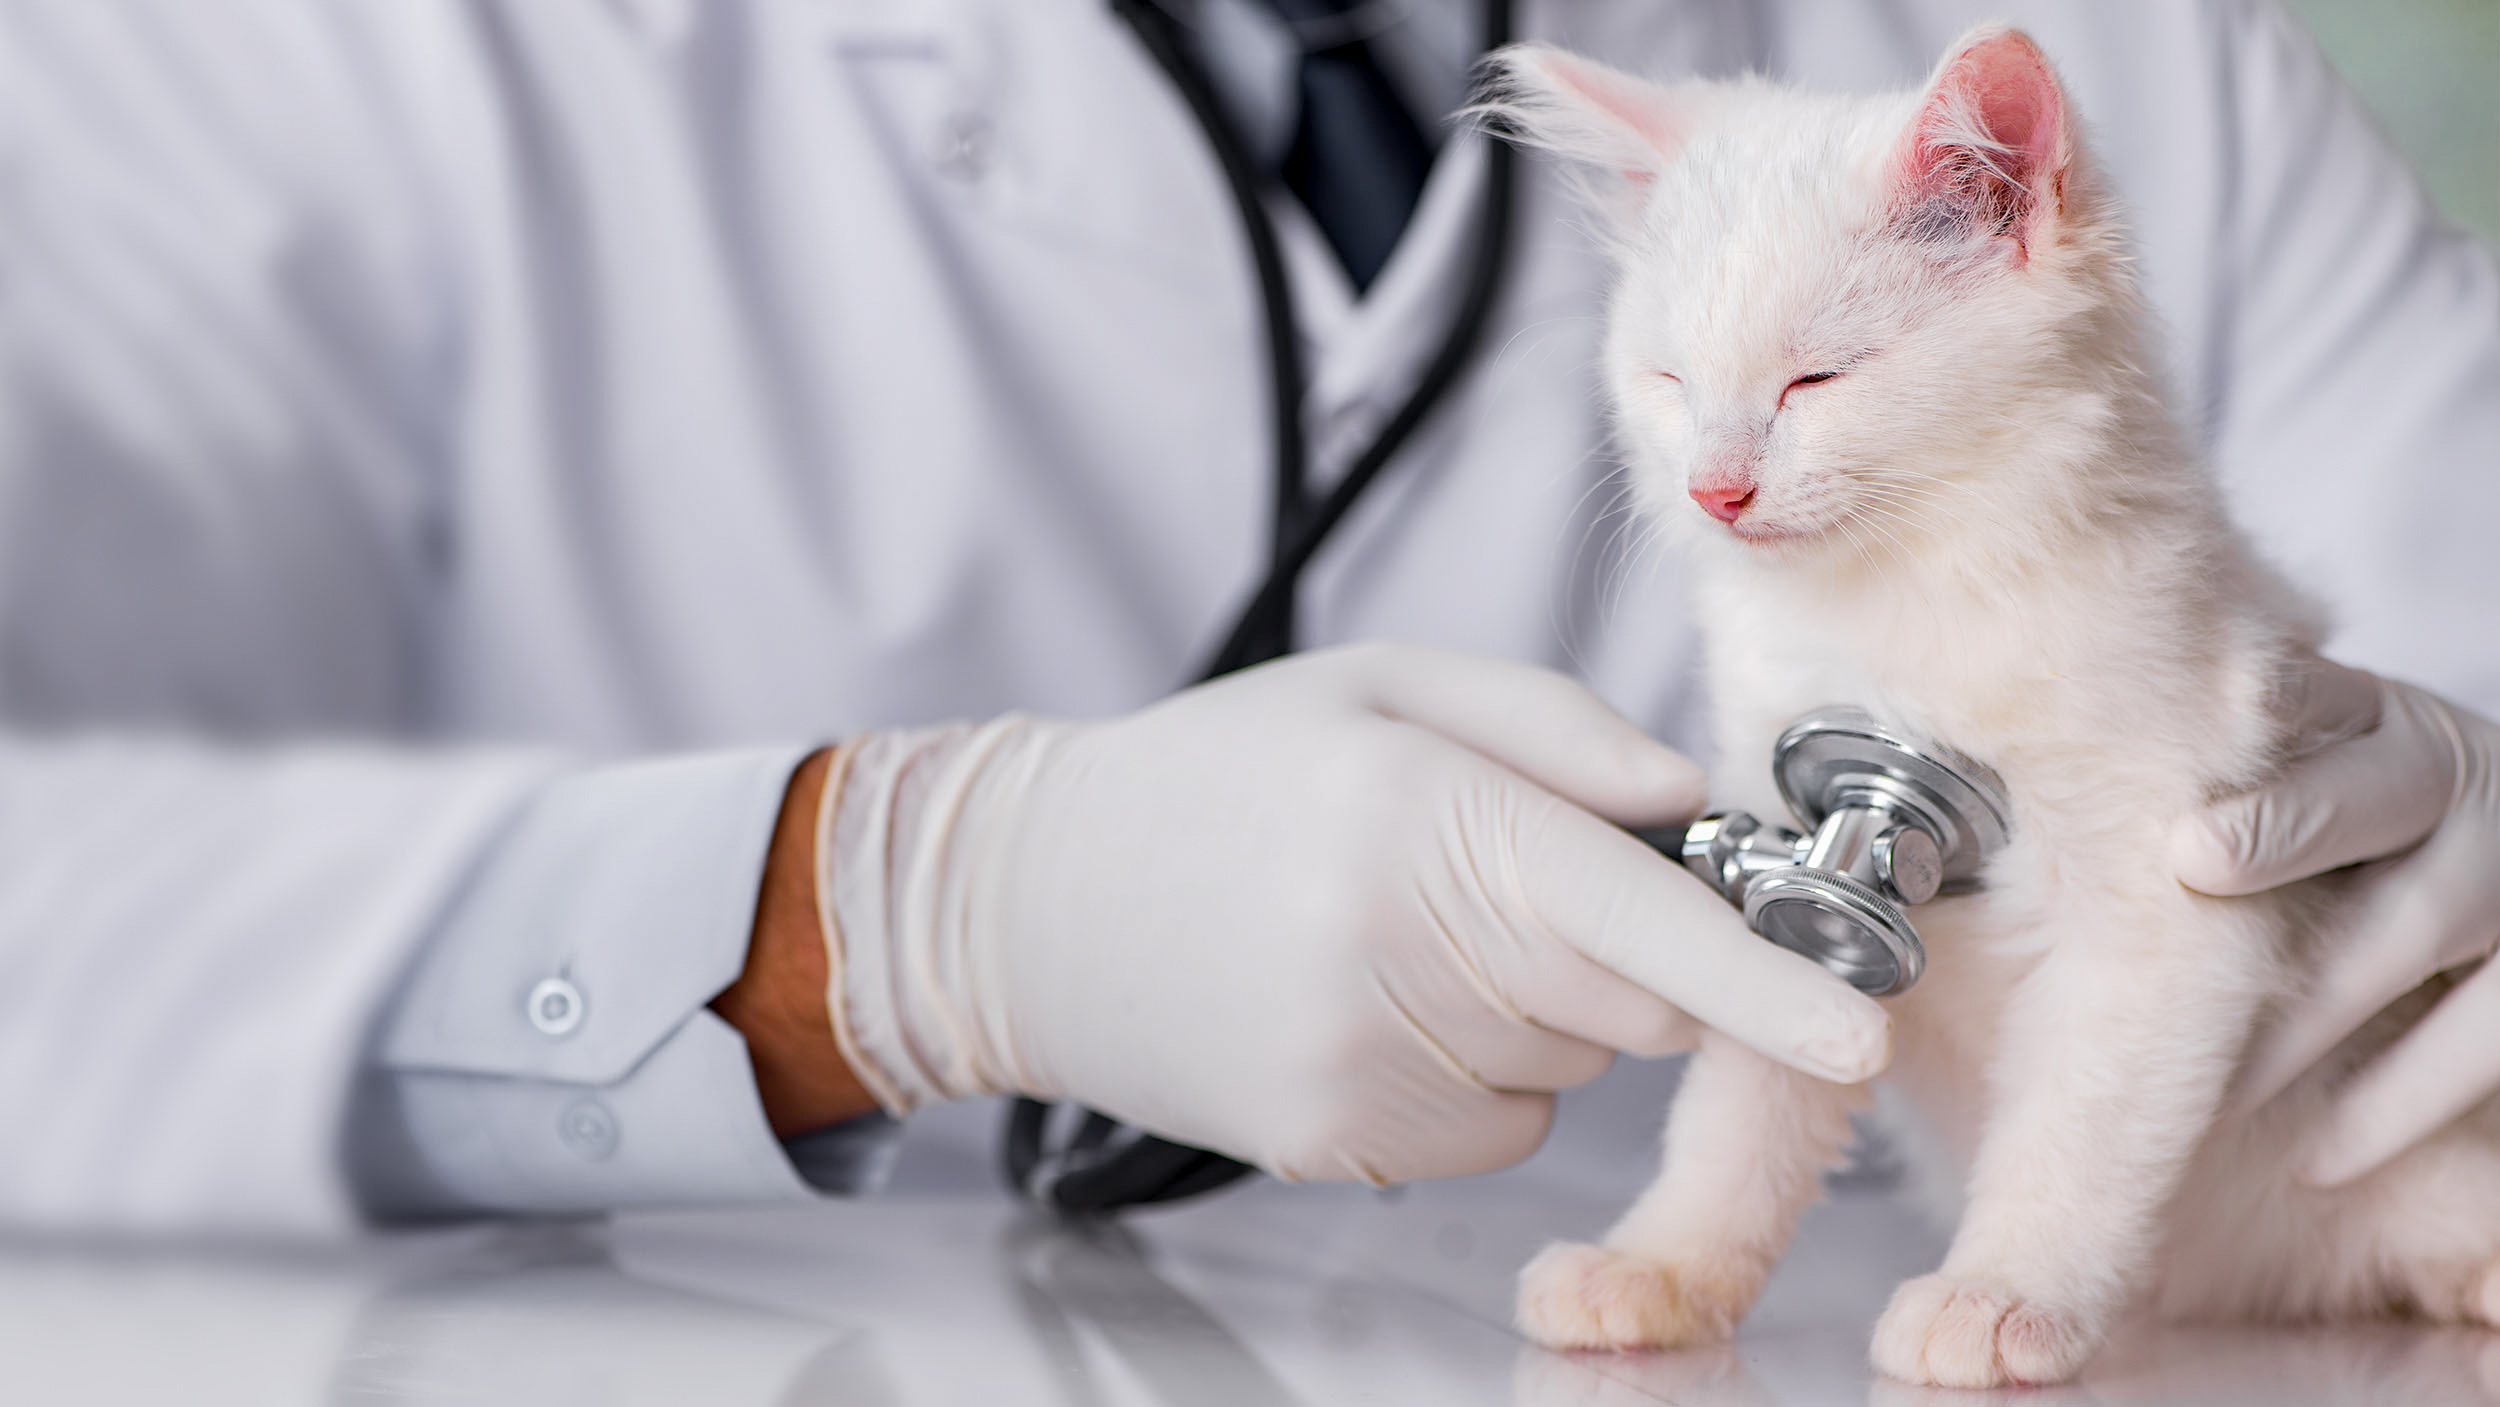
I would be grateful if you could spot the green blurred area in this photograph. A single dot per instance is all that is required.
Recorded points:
(2431, 71)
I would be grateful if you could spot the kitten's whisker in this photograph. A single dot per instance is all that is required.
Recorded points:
(1613, 530)
(1896, 513)
(1597, 531)
(1856, 543)
(1636, 534)
(1537, 326)
(1898, 495)
(1896, 548)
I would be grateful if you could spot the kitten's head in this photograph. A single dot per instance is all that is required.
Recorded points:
(1834, 316)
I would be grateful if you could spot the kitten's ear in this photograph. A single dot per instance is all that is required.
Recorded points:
(1989, 151)
(1626, 128)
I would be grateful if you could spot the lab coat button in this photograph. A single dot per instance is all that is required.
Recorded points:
(588, 1129)
(963, 146)
(555, 1008)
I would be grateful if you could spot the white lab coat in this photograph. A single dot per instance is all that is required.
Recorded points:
(598, 378)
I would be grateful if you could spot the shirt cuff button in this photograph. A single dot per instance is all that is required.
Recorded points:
(588, 1129)
(555, 1008)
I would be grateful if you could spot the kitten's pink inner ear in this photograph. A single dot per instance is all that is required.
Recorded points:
(1989, 143)
(1635, 108)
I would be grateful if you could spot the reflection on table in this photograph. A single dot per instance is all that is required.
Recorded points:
(946, 1294)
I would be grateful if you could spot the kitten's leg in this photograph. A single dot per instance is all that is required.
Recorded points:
(2111, 1063)
(2429, 1223)
(2419, 1237)
(1747, 1143)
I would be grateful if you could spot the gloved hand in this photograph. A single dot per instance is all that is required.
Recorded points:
(1347, 915)
(2402, 779)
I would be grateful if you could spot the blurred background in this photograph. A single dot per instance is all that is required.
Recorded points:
(2431, 70)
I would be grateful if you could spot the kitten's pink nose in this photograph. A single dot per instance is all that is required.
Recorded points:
(1723, 499)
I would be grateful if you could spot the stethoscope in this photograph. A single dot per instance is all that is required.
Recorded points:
(1891, 824)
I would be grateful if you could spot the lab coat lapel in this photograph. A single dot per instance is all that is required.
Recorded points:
(1366, 356)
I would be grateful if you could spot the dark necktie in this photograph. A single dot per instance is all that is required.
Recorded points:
(1359, 158)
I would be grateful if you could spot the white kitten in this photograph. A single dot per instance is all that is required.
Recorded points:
(1881, 363)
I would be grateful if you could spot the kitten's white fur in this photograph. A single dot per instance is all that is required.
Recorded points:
(1990, 530)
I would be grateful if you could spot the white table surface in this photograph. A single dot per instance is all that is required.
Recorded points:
(943, 1293)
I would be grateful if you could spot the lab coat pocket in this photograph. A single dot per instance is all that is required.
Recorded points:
(1043, 123)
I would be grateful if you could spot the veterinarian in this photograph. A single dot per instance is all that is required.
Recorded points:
(499, 503)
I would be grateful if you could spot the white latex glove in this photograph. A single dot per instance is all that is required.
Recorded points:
(1347, 915)
(2402, 779)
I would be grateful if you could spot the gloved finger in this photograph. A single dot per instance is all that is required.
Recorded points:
(2417, 916)
(2328, 703)
(1537, 723)
(1438, 1134)
(1501, 1130)
(1499, 1051)
(2359, 799)
(2445, 1065)
(1603, 893)
(1566, 989)
(1562, 989)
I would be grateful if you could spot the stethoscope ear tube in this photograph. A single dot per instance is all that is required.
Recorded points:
(1101, 1168)
(1262, 631)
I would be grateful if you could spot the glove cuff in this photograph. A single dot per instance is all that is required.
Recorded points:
(907, 993)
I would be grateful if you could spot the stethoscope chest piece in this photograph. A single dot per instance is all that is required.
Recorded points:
(1892, 825)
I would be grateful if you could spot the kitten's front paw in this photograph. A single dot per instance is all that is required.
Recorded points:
(1575, 1296)
(1945, 1332)
(2443, 1296)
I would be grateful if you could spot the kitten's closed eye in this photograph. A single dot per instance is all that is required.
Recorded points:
(1812, 379)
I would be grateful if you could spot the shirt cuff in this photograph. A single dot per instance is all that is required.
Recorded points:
(851, 1158)
(551, 1052)
(683, 1128)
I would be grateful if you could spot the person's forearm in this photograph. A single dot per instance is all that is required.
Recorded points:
(778, 1001)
